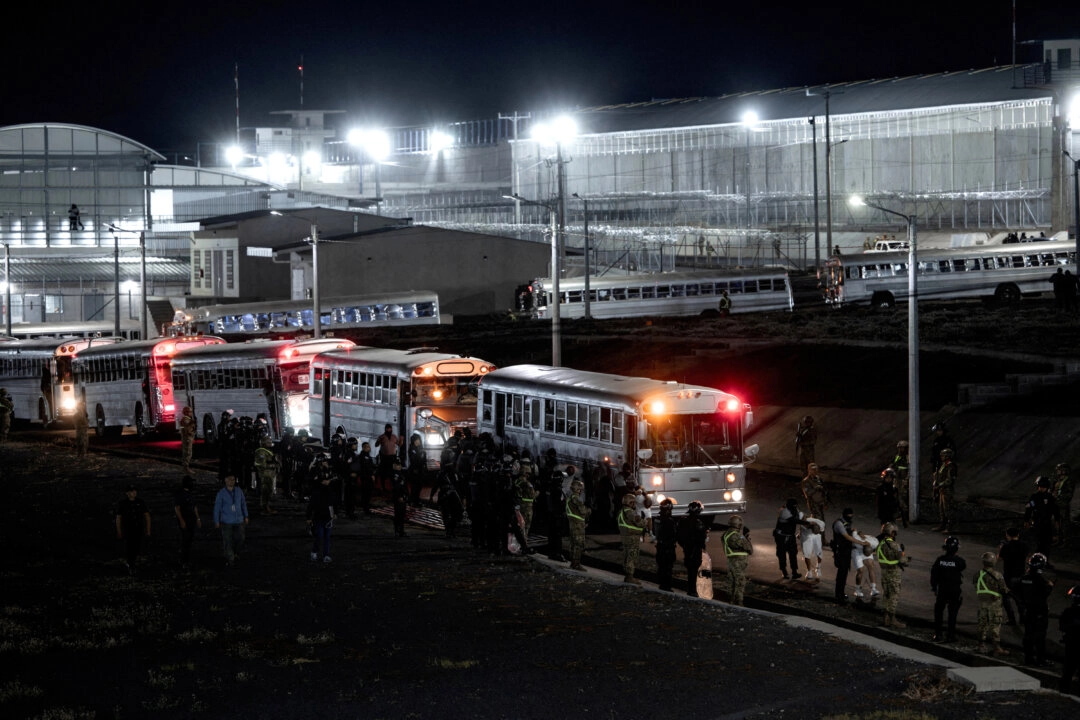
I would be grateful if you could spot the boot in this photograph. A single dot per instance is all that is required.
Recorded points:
(630, 579)
(577, 566)
(886, 620)
(896, 623)
(1000, 651)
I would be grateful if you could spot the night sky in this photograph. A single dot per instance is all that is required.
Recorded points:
(162, 73)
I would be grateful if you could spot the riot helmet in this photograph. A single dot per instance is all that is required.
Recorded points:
(1037, 562)
(952, 544)
(695, 507)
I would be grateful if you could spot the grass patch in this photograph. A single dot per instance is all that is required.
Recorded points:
(324, 638)
(160, 680)
(16, 690)
(196, 635)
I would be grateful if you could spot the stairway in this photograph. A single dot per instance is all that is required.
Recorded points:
(160, 312)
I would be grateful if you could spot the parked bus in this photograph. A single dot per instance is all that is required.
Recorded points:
(361, 390)
(682, 442)
(130, 383)
(648, 294)
(129, 329)
(1002, 272)
(293, 316)
(253, 378)
(37, 375)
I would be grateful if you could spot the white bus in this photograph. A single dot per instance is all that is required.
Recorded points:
(129, 329)
(1002, 272)
(682, 441)
(37, 375)
(253, 378)
(130, 383)
(278, 317)
(648, 294)
(360, 390)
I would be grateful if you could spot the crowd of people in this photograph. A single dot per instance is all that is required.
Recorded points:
(504, 492)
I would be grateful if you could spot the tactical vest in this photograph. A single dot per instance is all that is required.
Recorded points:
(881, 555)
(980, 586)
(728, 550)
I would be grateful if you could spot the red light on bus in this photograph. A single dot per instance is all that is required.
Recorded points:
(731, 405)
(166, 349)
(289, 353)
(170, 408)
(437, 394)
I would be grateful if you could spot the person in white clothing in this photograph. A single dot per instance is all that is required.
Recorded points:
(810, 541)
(865, 564)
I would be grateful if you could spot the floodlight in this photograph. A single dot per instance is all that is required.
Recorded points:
(439, 141)
(234, 155)
(559, 130)
(750, 119)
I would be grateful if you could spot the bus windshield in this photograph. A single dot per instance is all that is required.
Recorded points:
(460, 390)
(693, 440)
(63, 369)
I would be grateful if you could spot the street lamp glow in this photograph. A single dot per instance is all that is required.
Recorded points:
(234, 155)
(856, 201)
(750, 119)
(312, 160)
(375, 143)
(439, 141)
(559, 130)
(1074, 113)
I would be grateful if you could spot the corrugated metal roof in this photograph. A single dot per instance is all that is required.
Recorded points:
(96, 269)
(987, 85)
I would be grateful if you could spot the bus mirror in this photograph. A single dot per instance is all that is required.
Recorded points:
(645, 454)
(424, 413)
(749, 422)
(750, 453)
(642, 429)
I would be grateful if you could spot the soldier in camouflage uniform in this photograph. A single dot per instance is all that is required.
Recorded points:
(991, 590)
(7, 411)
(890, 556)
(526, 492)
(813, 490)
(902, 465)
(578, 514)
(266, 467)
(631, 529)
(944, 488)
(737, 550)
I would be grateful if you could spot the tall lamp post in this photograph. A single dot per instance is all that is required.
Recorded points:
(817, 224)
(376, 145)
(1076, 201)
(913, 353)
(749, 121)
(313, 240)
(142, 277)
(556, 269)
(7, 288)
(557, 132)
(588, 268)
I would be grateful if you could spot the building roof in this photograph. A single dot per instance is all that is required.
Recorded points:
(30, 270)
(989, 85)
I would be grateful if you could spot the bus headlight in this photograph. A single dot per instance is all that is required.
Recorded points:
(730, 477)
(68, 403)
(736, 495)
(657, 480)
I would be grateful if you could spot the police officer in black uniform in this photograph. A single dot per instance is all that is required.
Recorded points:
(665, 544)
(1041, 514)
(946, 580)
(1070, 638)
(1035, 588)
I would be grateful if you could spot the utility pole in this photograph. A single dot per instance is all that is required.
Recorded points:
(817, 224)
(517, 179)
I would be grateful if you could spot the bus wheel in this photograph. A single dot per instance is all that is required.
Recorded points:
(140, 422)
(882, 299)
(99, 422)
(1007, 295)
(208, 430)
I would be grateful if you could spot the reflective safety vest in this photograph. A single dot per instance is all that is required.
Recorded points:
(572, 516)
(881, 555)
(728, 550)
(629, 526)
(980, 586)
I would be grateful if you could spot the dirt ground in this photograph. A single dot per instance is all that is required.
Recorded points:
(424, 626)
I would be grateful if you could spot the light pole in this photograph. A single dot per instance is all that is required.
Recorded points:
(143, 320)
(376, 145)
(556, 269)
(7, 288)
(817, 225)
(316, 304)
(749, 121)
(558, 131)
(588, 268)
(1076, 202)
(913, 353)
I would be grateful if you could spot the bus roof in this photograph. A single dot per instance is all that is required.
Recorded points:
(568, 384)
(50, 345)
(402, 362)
(667, 278)
(973, 251)
(258, 349)
(213, 311)
(146, 347)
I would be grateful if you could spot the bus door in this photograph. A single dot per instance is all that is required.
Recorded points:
(500, 414)
(324, 431)
(47, 391)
